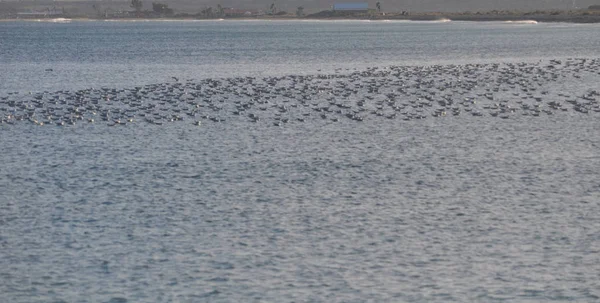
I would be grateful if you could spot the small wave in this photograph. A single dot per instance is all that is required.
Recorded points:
(443, 20)
(54, 20)
(522, 22)
(395, 21)
(160, 20)
(60, 20)
(326, 20)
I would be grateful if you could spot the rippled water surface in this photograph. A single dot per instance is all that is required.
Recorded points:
(498, 200)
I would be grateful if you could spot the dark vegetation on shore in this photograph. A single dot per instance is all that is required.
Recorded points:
(575, 16)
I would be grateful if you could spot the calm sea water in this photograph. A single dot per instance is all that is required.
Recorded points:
(456, 209)
(121, 54)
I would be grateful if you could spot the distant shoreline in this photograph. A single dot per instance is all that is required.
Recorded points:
(439, 17)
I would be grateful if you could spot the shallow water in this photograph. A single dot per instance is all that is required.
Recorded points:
(456, 208)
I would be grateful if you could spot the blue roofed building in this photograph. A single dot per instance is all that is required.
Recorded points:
(351, 7)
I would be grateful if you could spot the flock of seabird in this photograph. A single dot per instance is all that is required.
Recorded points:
(396, 92)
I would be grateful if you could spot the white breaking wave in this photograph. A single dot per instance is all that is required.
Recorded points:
(523, 22)
(54, 20)
(159, 20)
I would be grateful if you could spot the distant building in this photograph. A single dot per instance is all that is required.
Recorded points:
(353, 7)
